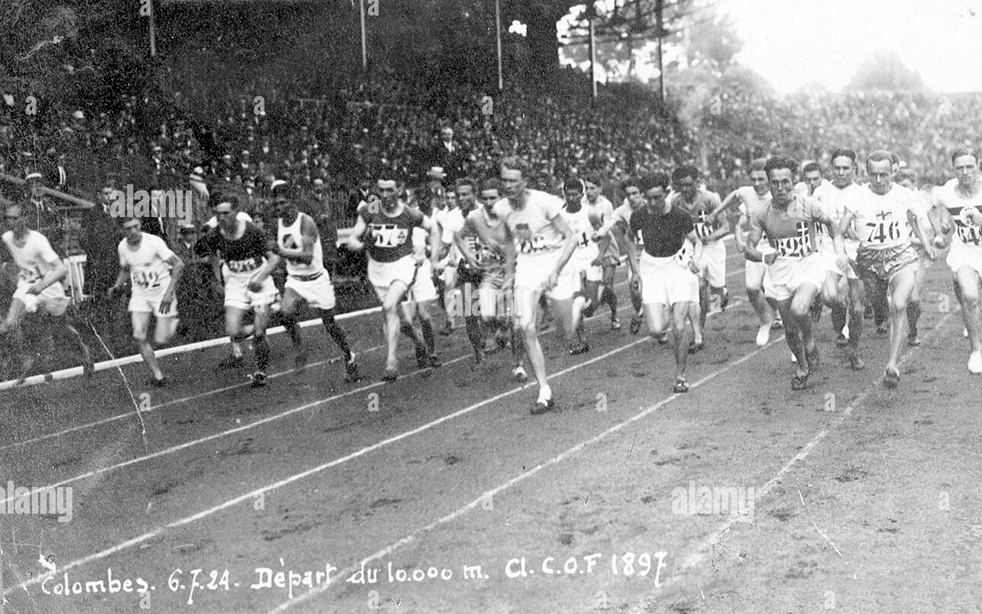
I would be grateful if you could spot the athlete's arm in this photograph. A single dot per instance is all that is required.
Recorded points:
(56, 274)
(919, 233)
(738, 236)
(568, 248)
(463, 247)
(308, 235)
(753, 239)
(435, 243)
(121, 277)
(696, 253)
(731, 199)
(719, 233)
(176, 270)
(354, 242)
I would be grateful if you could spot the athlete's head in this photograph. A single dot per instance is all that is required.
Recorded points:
(685, 180)
(843, 167)
(758, 178)
(632, 190)
(894, 162)
(490, 192)
(131, 227)
(13, 217)
(388, 191)
(573, 192)
(283, 203)
(879, 168)
(906, 178)
(593, 183)
(780, 176)
(966, 165)
(466, 189)
(811, 174)
(654, 187)
(514, 174)
(225, 210)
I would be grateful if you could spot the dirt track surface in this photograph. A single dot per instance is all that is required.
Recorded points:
(846, 496)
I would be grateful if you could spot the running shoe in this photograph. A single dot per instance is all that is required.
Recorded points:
(615, 323)
(580, 348)
(519, 374)
(681, 385)
(542, 406)
(390, 375)
(258, 379)
(975, 363)
(351, 374)
(891, 379)
(635, 324)
(763, 334)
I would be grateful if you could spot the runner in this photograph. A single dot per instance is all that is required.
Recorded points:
(795, 270)
(419, 301)
(844, 292)
(610, 258)
(392, 266)
(756, 195)
(248, 285)
(39, 291)
(700, 204)
(885, 254)
(584, 223)
(925, 212)
(298, 244)
(958, 203)
(669, 281)
(155, 272)
(619, 229)
(545, 244)
(488, 256)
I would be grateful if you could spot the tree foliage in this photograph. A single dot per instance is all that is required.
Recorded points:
(885, 71)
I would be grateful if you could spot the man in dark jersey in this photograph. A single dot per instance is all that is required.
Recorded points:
(669, 282)
(796, 269)
(248, 286)
(392, 268)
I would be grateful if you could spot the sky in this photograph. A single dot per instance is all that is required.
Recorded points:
(794, 42)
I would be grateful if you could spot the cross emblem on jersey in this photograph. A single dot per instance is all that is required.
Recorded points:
(884, 214)
(802, 228)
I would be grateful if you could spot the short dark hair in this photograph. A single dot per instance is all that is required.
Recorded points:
(811, 167)
(776, 162)
(631, 181)
(594, 178)
(465, 181)
(843, 151)
(906, 173)
(654, 180)
(572, 184)
(490, 184)
(685, 171)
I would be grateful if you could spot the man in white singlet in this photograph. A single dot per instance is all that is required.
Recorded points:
(298, 244)
(154, 271)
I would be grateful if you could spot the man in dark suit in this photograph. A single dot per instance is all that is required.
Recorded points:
(449, 156)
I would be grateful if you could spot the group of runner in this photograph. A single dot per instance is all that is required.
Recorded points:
(506, 252)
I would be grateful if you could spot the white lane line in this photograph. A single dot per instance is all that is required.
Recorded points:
(178, 349)
(405, 541)
(199, 395)
(239, 429)
(299, 476)
(699, 555)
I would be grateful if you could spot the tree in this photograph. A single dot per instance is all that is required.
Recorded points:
(885, 71)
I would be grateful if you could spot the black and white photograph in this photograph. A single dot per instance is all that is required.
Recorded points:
(490, 306)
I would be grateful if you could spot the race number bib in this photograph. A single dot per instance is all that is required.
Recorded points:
(389, 235)
(243, 266)
(794, 247)
(145, 279)
(968, 234)
(883, 231)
